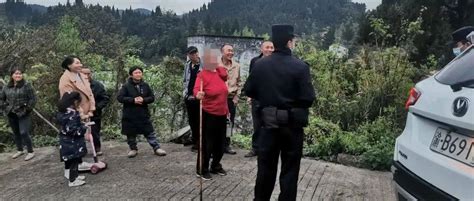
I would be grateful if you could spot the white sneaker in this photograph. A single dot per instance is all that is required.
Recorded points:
(67, 172)
(132, 153)
(17, 154)
(77, 182)
(160, 152)
(84, 166)
(29, 156)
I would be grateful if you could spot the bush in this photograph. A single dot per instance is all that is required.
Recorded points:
(379, 131)
(322, 138)
(371, 84)
(6, 136)
(378, 156)
(319, 128)
(112, 132)
(380, 140)
(354, 143)
(373, 141)
(45, 140)
(326, 147)
(243, 118)
(242, 141)
(359, 105)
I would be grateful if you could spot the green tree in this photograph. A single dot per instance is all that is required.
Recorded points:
(193, 26)
(208, 24)
(158, 11)
(68, 39)
(329, 38)
(235, 26)
(247, 32)
(347, 34)
(265, 36)
(380, 31)
(217, 28)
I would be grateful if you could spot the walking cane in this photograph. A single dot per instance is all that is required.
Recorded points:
(200, 141)
(49, 123)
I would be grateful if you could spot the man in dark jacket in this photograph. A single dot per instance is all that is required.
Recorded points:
(282, 85)
(191, 69)
(101, 100)
(135, 95)
(266, 49)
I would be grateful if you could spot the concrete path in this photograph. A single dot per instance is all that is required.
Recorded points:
(149, 177)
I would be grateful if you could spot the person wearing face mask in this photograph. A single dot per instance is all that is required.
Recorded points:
(460, 41)
(18, 100)
(136, 95)
(266, 49)
(282, 85)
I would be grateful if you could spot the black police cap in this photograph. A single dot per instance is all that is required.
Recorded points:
(461, 34)
(282, 33)
(191, 50)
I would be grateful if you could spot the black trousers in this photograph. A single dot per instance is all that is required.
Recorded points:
(150, 138)
(21, 127)
(96, 133)
(73, 167)
(286, 143)
(214, 128)
(232, 111)
(192, 106)
(256, 125)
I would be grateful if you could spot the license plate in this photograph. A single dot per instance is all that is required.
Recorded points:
(453, 145)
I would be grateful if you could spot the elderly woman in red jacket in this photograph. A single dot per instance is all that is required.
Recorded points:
(214, 104)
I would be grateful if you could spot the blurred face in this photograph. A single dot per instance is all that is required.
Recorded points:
(17, 76)
(76, 66)
(88, 74)
(267, 48)
(137, 75)
(194, 57)
(210, 59)
(227, 52)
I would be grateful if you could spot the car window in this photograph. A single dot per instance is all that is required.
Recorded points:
(459, 70)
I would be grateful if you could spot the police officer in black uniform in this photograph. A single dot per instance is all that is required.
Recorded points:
(460, 41)
(282, 85)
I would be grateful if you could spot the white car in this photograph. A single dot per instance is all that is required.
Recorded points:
(434, 156)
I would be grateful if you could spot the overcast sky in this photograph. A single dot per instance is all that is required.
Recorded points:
(178, 6)
(371, 4)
